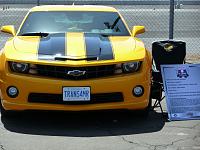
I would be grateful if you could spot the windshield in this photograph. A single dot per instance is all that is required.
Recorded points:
(74, 21)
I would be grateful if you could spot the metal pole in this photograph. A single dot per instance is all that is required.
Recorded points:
(171, 19)
(38, 2)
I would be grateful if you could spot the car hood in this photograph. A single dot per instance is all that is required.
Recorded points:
(79, 46)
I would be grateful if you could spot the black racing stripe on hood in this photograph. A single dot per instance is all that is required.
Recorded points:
(52, 44)
(98, 46)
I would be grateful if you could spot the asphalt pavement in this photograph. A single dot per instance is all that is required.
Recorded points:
(102, 130)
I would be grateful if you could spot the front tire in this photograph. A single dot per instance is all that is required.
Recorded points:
(145, 113)
(142, 113)
(6, 113)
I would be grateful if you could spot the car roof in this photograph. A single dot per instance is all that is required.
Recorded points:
(73, 8)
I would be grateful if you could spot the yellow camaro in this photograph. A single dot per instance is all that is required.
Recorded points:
(74, 58)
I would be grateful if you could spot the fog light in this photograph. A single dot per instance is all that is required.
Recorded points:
(12, 91)
(138, 91)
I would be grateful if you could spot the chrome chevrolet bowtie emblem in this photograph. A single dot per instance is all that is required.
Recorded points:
(76, 73)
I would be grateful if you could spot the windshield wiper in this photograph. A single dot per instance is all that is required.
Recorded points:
(42, 34)
(105, 34)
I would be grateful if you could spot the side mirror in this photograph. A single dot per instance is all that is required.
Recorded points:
(8, 29)
(137, 30)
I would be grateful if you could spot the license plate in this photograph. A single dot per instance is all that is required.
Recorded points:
(76, 93)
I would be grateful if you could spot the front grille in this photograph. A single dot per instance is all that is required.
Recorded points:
(58, 98)
(62, 72)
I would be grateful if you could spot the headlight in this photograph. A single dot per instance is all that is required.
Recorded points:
(19, 67)
(131, 67)
(127, 67)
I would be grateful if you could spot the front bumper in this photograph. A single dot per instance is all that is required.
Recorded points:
(29, 84)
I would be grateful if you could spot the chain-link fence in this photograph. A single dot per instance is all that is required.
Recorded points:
(187, 28)
(154, 15)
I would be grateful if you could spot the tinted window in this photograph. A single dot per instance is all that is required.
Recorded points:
(74, 21)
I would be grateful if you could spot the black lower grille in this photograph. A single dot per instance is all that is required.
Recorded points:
(58, 99)
(63, 72)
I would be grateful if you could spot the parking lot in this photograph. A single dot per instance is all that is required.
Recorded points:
(106, 130)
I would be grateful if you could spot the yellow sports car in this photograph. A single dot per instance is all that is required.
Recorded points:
(74, 58)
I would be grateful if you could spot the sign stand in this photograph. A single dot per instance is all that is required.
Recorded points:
(182, 90)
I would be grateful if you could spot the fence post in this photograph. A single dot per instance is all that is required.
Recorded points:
(171, 19)
(38, 2)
